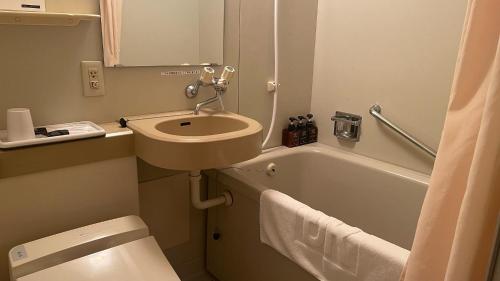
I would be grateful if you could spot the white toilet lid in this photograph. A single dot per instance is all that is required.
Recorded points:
(140, 260)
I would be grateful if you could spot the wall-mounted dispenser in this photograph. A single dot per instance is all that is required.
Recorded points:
(347, 126)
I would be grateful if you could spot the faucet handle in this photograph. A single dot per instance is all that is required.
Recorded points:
(207, 75)
(228, 73)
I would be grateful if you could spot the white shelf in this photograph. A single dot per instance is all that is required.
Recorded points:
(77, 130)
(44, 18)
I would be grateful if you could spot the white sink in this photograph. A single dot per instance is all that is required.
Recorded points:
(184, 141)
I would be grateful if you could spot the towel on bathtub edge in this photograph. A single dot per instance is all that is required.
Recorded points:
(324, 246)
(280, 230)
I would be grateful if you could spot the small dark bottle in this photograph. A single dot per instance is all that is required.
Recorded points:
(302, 130)
(312, 129)
(290, 136)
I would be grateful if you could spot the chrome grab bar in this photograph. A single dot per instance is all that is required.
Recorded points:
(376, 111)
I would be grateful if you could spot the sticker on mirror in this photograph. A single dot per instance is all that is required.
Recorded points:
(180, 73)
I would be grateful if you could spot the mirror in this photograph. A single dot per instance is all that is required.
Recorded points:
(162, 32)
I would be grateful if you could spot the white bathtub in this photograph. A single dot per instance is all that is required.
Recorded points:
(380, 198)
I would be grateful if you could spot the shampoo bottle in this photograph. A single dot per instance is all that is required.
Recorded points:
(312, 129)
(290, 136)
(302, 130)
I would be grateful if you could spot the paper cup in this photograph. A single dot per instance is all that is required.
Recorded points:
(19, 124)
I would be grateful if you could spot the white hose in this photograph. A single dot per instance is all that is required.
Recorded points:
(276, 74)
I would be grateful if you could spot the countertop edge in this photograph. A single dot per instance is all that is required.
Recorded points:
(117, 143)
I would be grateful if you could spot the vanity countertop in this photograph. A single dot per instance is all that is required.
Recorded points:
(117, 143)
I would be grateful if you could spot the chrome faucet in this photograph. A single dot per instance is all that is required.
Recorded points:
(218, 97)
(207, 79)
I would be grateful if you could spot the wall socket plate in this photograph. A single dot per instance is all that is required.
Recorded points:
(92, 78)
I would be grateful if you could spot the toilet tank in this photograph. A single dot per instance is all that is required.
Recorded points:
(56, 249)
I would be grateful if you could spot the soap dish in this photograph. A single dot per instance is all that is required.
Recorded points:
(77, 130)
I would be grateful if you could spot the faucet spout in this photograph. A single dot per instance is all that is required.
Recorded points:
(218, 97)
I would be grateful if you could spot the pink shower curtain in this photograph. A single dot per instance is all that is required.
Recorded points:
(456, 230)
(111, 22)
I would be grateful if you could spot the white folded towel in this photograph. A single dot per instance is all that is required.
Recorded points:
(324, 246)
(311, 228)
(281, 227)
(342, 247)
(380, 260)
(278, 216)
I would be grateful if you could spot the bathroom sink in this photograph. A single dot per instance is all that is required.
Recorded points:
(184, 141)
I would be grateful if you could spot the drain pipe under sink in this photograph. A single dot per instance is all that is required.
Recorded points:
(194, 182)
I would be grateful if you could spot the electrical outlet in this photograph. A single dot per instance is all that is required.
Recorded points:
(92, 78)
(93, 72)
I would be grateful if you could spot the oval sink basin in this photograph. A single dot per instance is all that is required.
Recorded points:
(183, 141)
(202, 126)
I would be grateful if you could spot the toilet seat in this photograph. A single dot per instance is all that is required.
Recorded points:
(140, 260)
(120, 249)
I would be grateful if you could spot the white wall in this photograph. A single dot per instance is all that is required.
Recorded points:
(400, 54)
(297, 25)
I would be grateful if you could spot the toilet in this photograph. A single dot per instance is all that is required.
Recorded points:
(119, 249)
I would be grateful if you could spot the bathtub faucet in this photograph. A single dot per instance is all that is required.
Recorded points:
(207, 79)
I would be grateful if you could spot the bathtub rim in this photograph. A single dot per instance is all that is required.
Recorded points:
(236, 179)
